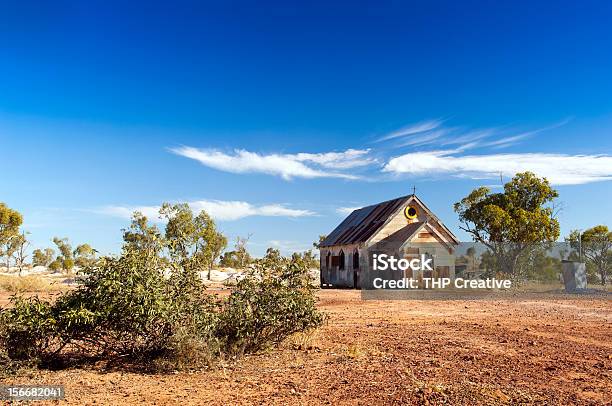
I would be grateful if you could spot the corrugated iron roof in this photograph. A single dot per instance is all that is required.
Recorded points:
(362, 223)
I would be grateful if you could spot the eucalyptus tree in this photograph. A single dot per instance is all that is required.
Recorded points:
(10, 221)
(511, 223)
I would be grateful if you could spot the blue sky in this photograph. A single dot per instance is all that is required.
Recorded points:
(276, 117)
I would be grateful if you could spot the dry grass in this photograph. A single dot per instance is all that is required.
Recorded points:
(355, 350)
(307, 340)
(30, 283)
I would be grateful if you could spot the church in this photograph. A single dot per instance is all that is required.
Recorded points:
(404, 227)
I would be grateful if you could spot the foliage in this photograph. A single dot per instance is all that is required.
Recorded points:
(126, 306)
(42, 257)
(239, 257)
(149, 303)
(10, 221)
(488, 264)
(56, 265)
(512, 223)
(20, 244)
(193, 242)
(272, 302)
(28, 328)
(65, 259)
(84, 255)
(539, 266)
(596, 245)
(142, 237)
(309, 257)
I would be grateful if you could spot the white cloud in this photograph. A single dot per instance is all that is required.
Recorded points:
(286, 166)
(218, 209)
(351, 158)
(345, 211)
(417, 128)
(559, 169)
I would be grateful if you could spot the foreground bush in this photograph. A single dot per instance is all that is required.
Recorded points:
(271, 303)
(144, 308)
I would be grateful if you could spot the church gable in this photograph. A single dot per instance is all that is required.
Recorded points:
(372, 224)
(403, 220)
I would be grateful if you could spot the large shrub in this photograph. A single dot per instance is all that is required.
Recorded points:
(125, 306)
(272, 302)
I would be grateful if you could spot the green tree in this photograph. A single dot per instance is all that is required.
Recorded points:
(511, 223)
(273, 258)
(192, 241)
(42, 257)
(229, 260)
(10, 221)
(56, 265)
(141, 236)
(239, 257)
(596, 246)
(84, 255)
(65, 257)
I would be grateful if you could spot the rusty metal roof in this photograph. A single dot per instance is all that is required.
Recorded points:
(362, 223)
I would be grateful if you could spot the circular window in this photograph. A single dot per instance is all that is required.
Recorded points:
(411, 212)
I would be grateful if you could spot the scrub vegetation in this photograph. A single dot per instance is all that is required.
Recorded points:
(148, 306)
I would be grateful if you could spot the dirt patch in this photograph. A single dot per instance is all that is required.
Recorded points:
(394, 352)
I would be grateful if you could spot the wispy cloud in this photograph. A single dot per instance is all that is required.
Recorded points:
(218, 209)
(351, 158)
(417, 128)
(514, 139)
(425, 138)
(287, 166)
(434, 134)
(560, 169)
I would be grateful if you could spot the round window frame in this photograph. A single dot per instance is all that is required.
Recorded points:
(407, 214)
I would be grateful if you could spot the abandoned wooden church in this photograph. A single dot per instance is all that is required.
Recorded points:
(405, 225)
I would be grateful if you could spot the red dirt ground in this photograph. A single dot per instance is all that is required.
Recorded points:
(530, 351)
